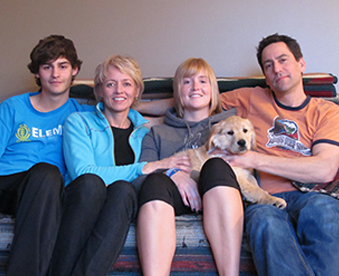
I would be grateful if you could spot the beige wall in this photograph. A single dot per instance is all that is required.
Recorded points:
(161, 34)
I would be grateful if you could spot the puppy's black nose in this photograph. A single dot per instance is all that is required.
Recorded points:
(242, 143)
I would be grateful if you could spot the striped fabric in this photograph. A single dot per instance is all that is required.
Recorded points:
(193, 254)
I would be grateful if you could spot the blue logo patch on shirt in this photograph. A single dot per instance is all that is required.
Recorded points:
(284, 134)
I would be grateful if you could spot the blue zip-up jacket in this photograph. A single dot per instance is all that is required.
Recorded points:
(88, 146)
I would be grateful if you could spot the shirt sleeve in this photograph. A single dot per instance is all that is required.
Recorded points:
(150, 149)
(328, 124)
(239, 99)
(6, 121)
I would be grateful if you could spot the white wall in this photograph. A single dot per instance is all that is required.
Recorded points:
(161, 34)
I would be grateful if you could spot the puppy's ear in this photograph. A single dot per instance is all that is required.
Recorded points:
(253, 137)
(214, 131)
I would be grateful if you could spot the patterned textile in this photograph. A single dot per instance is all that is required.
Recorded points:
(330, 188)
(315, 85)
(193, 255)
(6, 232)
(187, 261)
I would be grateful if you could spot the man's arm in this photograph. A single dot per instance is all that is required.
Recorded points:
(153, 121)
(321, 167)
(154, 108)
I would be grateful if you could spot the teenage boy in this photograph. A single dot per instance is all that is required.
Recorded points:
(32, 168)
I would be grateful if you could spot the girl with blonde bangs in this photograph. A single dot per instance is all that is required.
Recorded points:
(173, 192)
(189, 68)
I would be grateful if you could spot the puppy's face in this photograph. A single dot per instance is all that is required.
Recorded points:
(233, 134)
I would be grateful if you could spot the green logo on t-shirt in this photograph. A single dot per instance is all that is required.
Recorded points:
(23, 133)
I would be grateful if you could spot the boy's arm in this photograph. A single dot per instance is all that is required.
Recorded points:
(6, 123)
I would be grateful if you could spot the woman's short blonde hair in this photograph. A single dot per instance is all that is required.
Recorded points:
(191, 67)
(126, 65)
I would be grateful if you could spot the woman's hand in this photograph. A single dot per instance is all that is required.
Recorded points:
(188, 189)
(181, 162)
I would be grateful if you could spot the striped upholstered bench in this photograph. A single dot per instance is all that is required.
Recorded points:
(193, 255)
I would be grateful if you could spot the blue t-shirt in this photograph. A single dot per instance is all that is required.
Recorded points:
(28, 136)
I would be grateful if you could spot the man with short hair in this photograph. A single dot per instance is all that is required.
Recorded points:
(32, 168)
(298, 141)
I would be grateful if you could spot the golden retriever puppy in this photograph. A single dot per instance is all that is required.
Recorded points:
(236, 136)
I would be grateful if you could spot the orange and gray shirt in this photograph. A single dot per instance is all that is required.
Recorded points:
(282, 130)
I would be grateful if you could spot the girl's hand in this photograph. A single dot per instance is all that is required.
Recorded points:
(188, 189)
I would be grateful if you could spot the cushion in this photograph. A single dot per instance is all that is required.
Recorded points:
(83, 91)
(315, 85)
(319, 78)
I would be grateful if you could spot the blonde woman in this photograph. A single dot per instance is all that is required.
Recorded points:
(102, 150)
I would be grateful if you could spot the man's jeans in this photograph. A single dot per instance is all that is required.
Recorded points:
(303, 239)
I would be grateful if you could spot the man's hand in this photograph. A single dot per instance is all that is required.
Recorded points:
(242, 160)
(245, 160)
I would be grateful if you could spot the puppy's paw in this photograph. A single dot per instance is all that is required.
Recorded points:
(279, 202)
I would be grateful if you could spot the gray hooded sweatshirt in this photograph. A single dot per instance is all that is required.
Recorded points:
(176, 135)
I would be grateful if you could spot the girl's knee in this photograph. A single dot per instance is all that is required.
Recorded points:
(216, 163)
(216, 172)
(155, 183)
(157, 186)
(154, 179)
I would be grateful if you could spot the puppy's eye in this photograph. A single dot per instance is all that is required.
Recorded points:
(231, 132)
(245, 130)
